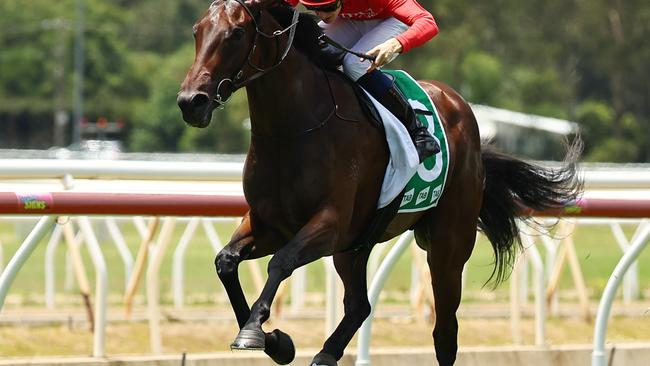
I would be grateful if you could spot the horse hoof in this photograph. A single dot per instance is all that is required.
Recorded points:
(248, 340)
(323, 359)
(280, 349)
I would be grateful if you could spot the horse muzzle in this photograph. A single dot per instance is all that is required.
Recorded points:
(196, 107)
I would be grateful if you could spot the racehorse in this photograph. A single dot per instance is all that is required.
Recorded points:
(314, 169)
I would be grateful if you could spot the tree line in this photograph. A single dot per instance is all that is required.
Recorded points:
(582, 60)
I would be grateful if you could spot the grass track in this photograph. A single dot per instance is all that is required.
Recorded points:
(133, 338)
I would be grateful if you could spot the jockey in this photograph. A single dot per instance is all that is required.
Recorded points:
(380, 28)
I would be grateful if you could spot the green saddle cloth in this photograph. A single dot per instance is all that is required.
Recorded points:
(424, 189)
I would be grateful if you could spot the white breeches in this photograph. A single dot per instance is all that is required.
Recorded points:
(361, 36)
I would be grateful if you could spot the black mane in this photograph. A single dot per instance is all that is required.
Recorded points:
(307, 33)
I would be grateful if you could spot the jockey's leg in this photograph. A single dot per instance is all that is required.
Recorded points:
(344, 32)
(379, 85)
(373, 33)
(382, 88)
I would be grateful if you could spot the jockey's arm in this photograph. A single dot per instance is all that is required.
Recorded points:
(422, 26)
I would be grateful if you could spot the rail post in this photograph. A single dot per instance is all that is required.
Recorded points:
(598, 356)
(44, 225)
(101, 287)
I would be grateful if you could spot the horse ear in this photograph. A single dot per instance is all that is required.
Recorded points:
(254, 5)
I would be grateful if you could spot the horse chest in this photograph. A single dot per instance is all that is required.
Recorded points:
(284, 203)
(286, 184)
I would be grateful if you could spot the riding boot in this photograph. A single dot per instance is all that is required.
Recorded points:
(382, 88)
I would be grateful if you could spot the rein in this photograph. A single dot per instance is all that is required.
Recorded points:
(325, 39)
(238, 81)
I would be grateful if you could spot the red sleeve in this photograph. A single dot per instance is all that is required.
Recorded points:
(422, 26)
(293, 3)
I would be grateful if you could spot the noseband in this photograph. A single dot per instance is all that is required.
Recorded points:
(238, 80)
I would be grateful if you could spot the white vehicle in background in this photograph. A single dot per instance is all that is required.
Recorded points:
(90, 149)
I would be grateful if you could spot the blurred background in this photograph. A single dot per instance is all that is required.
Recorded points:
(79, 70)
(96, 79)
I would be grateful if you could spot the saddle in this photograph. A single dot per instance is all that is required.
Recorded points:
(366, 104)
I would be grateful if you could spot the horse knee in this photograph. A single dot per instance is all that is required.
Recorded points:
(364, 310)
(359, 309)
(226, 262)
(281, 267)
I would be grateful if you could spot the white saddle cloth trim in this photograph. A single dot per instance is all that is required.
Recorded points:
(403, 161)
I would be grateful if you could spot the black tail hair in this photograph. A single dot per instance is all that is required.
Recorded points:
(512, 184)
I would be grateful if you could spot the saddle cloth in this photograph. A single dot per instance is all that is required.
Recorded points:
(424, 183)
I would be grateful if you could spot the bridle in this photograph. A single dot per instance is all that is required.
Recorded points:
(238, 80)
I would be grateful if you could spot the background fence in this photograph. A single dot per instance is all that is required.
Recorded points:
(186, 190)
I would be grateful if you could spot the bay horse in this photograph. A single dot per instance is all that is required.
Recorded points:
(315, 166)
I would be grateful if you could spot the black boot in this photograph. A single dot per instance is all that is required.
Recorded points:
(396, 103)
(383, 88)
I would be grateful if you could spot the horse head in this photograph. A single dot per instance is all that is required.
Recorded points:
(229, 44)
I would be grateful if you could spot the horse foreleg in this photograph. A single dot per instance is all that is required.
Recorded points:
(241, 247)
(313, 241)
(351, 267)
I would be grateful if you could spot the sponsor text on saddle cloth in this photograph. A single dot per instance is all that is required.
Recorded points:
(422, 184)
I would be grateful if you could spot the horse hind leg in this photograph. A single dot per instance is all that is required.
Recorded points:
(449, 238)
(351, 267)
(446, 266)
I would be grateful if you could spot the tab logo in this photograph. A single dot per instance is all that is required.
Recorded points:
(422, 196)
(408, 197)
(435, 194)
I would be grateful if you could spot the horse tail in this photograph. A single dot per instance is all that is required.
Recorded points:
(511, 183)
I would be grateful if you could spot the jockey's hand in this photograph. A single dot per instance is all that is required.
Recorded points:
(384, 53)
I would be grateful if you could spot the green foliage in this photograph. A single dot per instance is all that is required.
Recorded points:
(541, 92)
(160, 123)
(176, 16)
(584, 60)
(604, 139)
(613, 149)
(161, 127)
(483, 74)
(595, 119)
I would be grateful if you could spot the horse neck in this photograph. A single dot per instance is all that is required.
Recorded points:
(282, 102)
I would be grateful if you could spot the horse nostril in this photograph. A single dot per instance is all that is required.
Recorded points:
(199, 100)
(189, 102)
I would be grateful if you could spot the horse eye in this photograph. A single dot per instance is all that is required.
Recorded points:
(237, 33)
